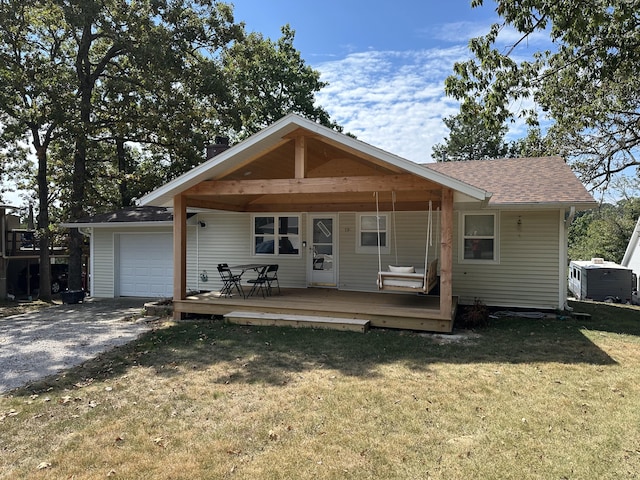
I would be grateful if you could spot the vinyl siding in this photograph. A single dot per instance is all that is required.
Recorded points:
(634, 260)
(527, 274)
(358, 271)
(103, 263)
(193, 272)
(227, 238)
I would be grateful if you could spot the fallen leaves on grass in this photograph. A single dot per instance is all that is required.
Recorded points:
(11, 413)
(160, 442)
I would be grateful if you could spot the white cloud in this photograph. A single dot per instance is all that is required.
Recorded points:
(395, 100)
(392, 100)
(455, 31)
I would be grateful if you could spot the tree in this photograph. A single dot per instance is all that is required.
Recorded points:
(603, 232)
(35, 96)
(587, 86)
(470, 138)
(130, 94)
(152, 43)
(58, 59)
(268, 81)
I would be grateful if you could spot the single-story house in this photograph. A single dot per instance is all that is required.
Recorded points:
(297, 192)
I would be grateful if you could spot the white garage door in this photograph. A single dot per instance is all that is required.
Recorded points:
(146, 265)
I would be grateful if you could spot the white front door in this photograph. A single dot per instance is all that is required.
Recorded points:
(323, 251)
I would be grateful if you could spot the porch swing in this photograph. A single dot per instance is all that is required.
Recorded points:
(406, 279)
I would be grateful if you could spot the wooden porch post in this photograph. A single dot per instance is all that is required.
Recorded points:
(446, 254)
(300, 157)
(179, 251)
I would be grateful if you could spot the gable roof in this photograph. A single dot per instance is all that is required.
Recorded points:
(280, 133)
(533, 181)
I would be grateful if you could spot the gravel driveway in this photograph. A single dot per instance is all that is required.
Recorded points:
(35, 345)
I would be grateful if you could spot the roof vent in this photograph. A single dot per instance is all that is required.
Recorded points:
(597, 260)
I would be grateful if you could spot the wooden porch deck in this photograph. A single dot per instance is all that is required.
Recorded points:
(388, 310)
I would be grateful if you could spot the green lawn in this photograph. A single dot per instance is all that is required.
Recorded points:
(522, 398)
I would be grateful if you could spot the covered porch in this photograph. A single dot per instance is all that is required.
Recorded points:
(403, 311)
(298, 167)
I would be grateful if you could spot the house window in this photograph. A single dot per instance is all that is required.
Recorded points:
(370, 228)
(276, 235)
(479, 237)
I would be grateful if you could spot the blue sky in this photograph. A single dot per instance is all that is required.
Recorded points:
(385, 61)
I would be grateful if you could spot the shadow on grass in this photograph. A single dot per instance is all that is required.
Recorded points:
(270, 355)
(610, 317)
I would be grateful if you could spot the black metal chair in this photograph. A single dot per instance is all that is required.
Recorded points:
(229, 280)
(260, 282)
(272, 277)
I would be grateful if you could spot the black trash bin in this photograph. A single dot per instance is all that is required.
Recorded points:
(72, 296)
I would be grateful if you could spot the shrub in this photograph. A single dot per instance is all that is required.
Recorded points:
(475, 316)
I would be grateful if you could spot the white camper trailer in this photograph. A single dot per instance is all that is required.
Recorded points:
(599, 280)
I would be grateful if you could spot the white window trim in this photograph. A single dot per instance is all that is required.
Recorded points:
(496, 238)
(374, 248)
(276, 235)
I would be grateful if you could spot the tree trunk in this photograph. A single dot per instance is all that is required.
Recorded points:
(76, 210)
(123, 170)
(43, 220)
(3, 253)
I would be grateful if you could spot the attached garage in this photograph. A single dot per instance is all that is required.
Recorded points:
(131, 252)
(145, 265)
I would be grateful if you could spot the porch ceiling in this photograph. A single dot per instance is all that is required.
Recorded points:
(318, 176)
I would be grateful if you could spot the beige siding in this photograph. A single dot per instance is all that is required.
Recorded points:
(227, 239)
(358, 271)
(527, 274)
(193, 273)
(103, 263)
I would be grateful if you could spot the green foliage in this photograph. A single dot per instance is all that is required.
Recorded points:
(603, 232)
(118, 97)
(587, 85)
(268, 81)
(532, 145)
(470, 138)
(130, 95)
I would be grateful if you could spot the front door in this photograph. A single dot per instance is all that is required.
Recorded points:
(322, 252)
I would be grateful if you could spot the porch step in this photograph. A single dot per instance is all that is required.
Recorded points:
(281, 319)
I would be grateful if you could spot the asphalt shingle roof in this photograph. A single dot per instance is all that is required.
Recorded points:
(131, 214)
(533, 180)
